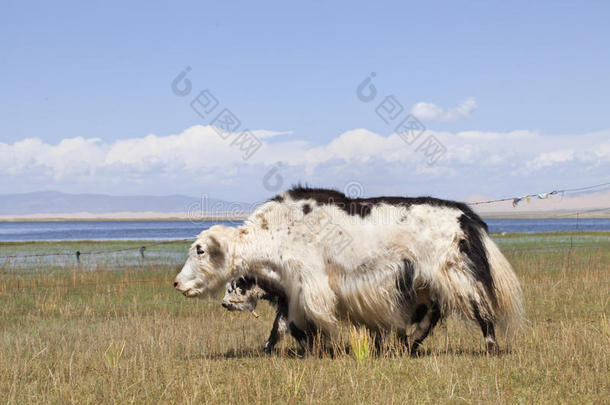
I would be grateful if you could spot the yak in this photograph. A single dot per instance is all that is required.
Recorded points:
(243, 294)
(387, 263)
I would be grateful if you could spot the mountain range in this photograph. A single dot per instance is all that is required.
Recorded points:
(55, 202)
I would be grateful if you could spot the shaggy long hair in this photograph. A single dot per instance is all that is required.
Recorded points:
(389, 263)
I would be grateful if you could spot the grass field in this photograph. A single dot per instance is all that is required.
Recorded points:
(112, 330)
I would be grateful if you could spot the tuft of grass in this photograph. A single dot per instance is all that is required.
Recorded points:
(359, 343)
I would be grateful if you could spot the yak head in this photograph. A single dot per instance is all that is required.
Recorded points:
(242, 294)
(208, 265)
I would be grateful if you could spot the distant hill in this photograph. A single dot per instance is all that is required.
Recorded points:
(54, 202)
(594, 204)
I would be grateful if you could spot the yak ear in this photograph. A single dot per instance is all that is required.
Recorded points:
(217, 252)
(249, 281)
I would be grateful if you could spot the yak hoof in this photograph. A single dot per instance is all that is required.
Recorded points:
(493, 349)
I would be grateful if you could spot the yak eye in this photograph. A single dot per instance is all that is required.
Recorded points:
(199, 250)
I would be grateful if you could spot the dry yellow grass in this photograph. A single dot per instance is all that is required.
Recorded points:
(70, 335)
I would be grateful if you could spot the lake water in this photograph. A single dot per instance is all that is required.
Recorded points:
(173, 230)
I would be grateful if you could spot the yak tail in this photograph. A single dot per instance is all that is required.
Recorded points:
(509, 311)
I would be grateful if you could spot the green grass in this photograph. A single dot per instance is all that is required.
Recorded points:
(112, 330)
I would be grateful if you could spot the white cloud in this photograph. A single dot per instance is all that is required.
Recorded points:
(547, 159)
(262, 133)
(360, 145)
(431, 112)
(199, 159)
(494, 135)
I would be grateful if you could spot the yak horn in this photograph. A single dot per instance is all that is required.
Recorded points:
(255, 314)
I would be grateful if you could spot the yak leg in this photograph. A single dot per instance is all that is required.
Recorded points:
(280, 326)
(306, 338)
(301, 328)
(426, 317)
(378, 340)
(403, 339)
(298, 335)
(487, 327)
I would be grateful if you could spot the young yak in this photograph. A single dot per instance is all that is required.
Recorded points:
(243, 293)
(389, 263)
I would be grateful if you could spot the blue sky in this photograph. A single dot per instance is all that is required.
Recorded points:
(79, 79)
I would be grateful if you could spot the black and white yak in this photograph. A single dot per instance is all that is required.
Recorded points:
(243, 294)
(388, 263)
